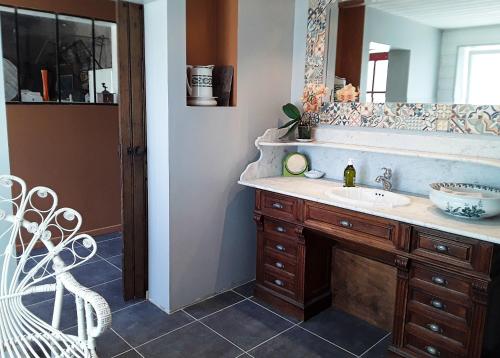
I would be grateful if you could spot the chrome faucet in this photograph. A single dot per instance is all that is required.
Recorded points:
(385, 179)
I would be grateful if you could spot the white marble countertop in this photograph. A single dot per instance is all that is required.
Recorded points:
(421, 211)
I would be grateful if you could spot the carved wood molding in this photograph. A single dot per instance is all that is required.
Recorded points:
(299, 230)
(480, 290)
(259, 221)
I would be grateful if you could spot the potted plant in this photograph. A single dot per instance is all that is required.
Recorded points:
(312, 99)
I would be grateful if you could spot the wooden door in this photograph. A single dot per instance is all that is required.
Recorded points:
(133, 148)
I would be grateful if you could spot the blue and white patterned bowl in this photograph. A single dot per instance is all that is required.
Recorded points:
(468, 201)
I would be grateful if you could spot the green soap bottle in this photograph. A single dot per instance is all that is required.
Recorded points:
(350, 175)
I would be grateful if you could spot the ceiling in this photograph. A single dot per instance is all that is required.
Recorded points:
(443, 14)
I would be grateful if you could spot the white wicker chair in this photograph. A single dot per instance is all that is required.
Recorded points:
(30, 218)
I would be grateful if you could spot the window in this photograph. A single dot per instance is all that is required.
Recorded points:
(478, 75)
(57, 58)
(376, 87)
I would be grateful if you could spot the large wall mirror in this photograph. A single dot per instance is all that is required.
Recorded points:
(414, 51)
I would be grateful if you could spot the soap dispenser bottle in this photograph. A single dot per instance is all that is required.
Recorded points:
(350, 175)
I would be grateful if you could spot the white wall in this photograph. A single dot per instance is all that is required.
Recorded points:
(299, 49)
(423, 42)
(207, 241)
(156, 50)
(451, 41)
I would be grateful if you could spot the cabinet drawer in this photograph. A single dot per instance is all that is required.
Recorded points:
(438, 324)
(280, 283)
(434, 279)
(279, 228)
(424, 346)
(341, 221)
(279, 245)
(279, 206)
(279, 262)
(451, 249)
(440, 305)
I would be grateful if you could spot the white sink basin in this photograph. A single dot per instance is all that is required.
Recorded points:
(368, 197)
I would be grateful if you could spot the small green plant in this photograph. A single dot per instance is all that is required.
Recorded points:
(294, 114)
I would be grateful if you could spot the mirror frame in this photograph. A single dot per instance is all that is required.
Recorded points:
(429, 117)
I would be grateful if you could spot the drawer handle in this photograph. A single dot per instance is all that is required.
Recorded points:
(280, 265)
(437, 304)
(280, 248)
(434, 328)
(280, 229)
(345, 223)
(442, 249)
(278, 206)
(279, 283)
(432, 351)
(439, 281)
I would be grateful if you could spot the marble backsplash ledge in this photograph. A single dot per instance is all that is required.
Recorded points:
(453, 118)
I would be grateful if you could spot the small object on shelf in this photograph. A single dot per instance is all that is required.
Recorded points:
(468, 201)
(350, 175)
(223, 80)
(314, 174)
(295, 164)
(199, 82)
(105, 96)
(45, 83)
(28, 96)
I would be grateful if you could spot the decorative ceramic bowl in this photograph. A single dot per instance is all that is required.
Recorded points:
(469, 201)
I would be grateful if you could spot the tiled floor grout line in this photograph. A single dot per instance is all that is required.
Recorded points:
(69, 293)
(211, 314)
(277, 314)
(269, 339)
(326, 340)
(165, 334)
(380, 340)
(133, 349)
(110, 262)
(103, 258)
(217, 333)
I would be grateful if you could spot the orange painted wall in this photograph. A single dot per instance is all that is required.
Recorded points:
(72, 149)
(99, 9)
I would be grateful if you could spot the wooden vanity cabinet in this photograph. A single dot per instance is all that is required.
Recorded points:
(447, 288)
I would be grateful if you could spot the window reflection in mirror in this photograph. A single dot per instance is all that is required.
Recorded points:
(437, 51)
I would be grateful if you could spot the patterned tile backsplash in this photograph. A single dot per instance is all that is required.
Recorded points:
(455, 118)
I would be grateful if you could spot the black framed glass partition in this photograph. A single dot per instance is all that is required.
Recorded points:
(56, 58)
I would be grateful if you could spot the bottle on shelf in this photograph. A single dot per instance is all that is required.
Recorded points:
(350, 175)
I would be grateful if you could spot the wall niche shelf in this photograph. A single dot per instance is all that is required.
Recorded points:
(212, 36)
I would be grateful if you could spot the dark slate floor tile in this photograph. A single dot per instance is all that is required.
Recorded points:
(44, 311)
(109, 344)
(144, 321)
(109, 248)
(113, 294)
(35, 298)
(297, 343)
(109, 236)
(273, 309)
(129, 354)
(246, 289)
(194, 340)
(213, 304)
(246, 324)
(116, 260)
(96, 273)
(346, 331)
(380, 350)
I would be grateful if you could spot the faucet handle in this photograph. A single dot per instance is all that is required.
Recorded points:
(387, 173)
